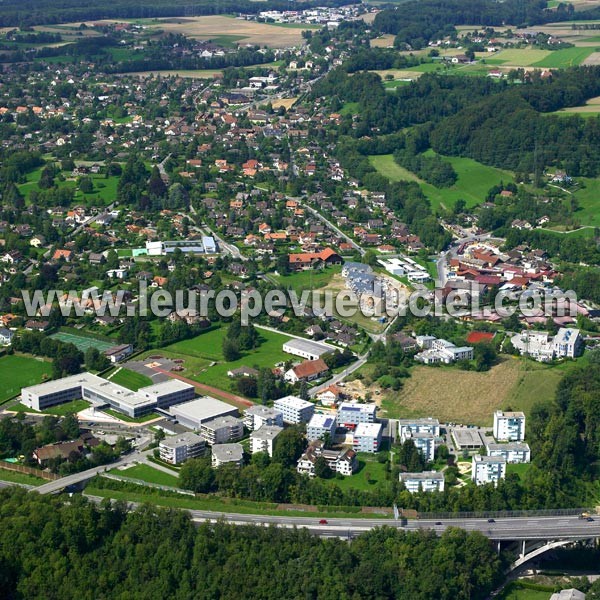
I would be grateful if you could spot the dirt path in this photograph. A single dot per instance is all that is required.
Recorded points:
(233, 398)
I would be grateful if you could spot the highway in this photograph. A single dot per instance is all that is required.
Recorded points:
(506, 529)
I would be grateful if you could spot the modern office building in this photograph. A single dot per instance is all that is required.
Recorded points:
(102, 392)
(263, 439)
(567, 343)
(512, 452)
(222, 430)
(222, 454)
(294, 409)
(178, 448)
(367, 437)
(193, 414)
(427, 481)
(353, 413)
(509, 426)
(408, 427)
(488, 469)
(307, 349)
(319, 426)
(258, 415)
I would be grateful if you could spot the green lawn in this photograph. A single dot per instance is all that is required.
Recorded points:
(519, 469)
(537, 382)
(147, 473)
(568, 57)
(129, 379)
(208, 346)
(18, 371)
(308, 280)
(522, 57)
(68, 408)
(370, 474)
(128, 419)
(155, 496)
(16, 477)
(473, 183)
(514, 591)
(588, 197)
(350, 108)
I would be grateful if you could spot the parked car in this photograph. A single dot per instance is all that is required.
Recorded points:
(323, 522)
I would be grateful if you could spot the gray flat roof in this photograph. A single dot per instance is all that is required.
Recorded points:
(218, 422)
(368, 429)
(260, 410)
(307, 346)
(467, 437)
(424, 476)
(228, 452)
(293, 402)
(355, 406)
(166, 387)
(420, 421)
(266, 432)
(321, 420)
(183, 439)
(489, 459)
(204, 408)
(508, 447)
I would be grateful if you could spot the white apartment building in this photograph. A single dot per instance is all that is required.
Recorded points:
(353, 413)
(488, 469)
(512, 452)
(428, 481)
(509, 426)
(567, 343)
(178, 448)
(425, 443)
(408, 427)
(263, 439)
(222, 430)
(339, 461)
(258, 415)
(367, 437)
(319, 426)
(294, 409)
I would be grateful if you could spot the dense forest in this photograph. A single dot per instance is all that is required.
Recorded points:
(506, 124)
(415, 23)
(15, 13)
(53, 549)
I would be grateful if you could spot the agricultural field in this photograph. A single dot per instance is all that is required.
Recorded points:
(561, 59)
(231, 29)
(129, 379)
(286, 103)
(17, 371)
(383, 41)
(519, 57)
(450, 394)
(473, 183)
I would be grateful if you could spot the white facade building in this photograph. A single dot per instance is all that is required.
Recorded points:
(367, 437)
(512, 452)
(319, 426)
(353, 413)
(222, 430)
(294, 409)
(258, 415)
(177, 449)
(488, 469)
(428, 481)
(407, 427)
(509, 426)
(263, 439)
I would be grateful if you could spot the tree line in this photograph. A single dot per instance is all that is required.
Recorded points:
(53, 549)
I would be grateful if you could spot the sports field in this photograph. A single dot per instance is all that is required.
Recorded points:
(83, 343)
(18, 371)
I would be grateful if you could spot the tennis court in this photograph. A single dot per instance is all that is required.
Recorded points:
(83, 343)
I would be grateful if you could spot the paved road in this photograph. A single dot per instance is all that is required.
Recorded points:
(137, 455)
(333, 227)
(343, 374)
(508, 529)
